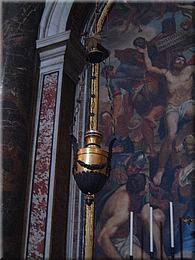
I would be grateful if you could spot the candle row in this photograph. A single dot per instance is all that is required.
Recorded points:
(151, 229)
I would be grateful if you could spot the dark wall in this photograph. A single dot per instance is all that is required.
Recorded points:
(59, 221)
(79, 15)
(20, 30)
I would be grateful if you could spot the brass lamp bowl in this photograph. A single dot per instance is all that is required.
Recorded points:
(91, 173)
(92, 164)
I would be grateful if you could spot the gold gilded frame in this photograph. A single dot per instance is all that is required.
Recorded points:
(93, 125)
(93, 116)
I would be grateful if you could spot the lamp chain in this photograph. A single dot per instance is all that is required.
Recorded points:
(77, 102)
(93, 96)
(108, 83)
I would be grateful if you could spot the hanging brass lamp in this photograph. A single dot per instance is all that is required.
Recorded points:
(92, 164)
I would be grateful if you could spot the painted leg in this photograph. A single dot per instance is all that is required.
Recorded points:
(159, 219)
(166, 148)
(148, 135)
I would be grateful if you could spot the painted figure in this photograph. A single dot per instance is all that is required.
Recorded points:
(147, 105)
(118, 86)
(184, 206)
(179, 102)
(113, 235)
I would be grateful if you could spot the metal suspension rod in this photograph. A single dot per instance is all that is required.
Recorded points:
(94, 100)
(89, 226)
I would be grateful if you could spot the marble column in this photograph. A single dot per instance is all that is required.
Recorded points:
(19, 31)
(59, 70)
(45, 143)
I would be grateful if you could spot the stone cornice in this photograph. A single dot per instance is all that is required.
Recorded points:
(52, 41)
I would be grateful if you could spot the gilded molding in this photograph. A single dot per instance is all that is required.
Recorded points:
(103, 15)
(95, 73)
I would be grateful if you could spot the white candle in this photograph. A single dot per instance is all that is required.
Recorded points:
(151, 230)
(171, 223)
(131, 234)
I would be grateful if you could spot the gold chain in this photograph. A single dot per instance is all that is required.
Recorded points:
(93, 97)
(78, 102)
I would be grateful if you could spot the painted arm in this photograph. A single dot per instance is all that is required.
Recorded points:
(192, 69)
(148, 62)
(119, 217)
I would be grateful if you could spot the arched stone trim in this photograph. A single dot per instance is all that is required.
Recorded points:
(54, 18)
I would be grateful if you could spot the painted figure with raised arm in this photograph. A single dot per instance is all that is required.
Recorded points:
(179, 102)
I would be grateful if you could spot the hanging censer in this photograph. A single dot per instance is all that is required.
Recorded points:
(92, 164)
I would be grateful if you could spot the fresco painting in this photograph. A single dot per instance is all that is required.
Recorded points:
(146, 101)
